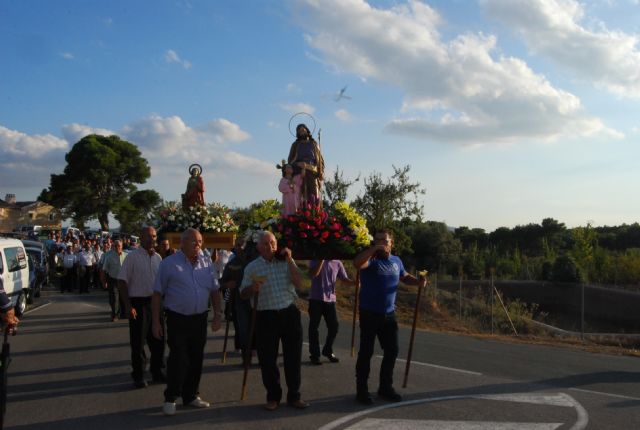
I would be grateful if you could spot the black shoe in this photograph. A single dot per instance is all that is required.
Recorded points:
(364, 397)
(141, 383)
(389, 394)
(315, 360)
(159, 378)
(332, 358)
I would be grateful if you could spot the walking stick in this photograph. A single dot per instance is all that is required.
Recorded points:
(247, 360)
(413, 331)
(226, 330)
(355, 313)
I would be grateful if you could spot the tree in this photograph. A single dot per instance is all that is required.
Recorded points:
(335, 190)
(134, 213)
(384, 203)
(100, 175)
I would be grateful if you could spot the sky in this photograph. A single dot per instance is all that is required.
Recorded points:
(507, 111)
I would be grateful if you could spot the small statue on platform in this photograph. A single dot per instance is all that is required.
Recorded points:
(308, 166)
(195, 188)
(290, 190)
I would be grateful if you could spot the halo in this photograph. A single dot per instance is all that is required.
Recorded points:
(303, 114)
(197, 166)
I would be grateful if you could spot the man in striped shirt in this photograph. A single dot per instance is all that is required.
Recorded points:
(273, 281)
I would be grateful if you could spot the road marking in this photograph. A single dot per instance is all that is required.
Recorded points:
(602, 393)
(39, 307)
(436, 366)
(375, 424)
(558, 399)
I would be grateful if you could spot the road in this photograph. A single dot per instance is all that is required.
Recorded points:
(70, 369)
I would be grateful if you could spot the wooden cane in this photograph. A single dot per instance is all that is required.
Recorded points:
(413, 332)
(226, 330)
(355, 313)
(247, 361)
(224, 346)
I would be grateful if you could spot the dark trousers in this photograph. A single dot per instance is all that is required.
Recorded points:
(139, 334)
(85, 278)
(385, 328)
(69, 280)
(271, 328)
(241, 323)
(317, 310)
(114, 297)
(186, 337)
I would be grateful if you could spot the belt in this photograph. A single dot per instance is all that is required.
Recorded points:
(281, 311)
(168, 312)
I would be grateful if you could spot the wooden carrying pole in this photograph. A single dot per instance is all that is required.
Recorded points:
(247, 358)
(355, 314)
(413, 334)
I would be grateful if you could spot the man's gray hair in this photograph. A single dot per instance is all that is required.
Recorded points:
(187, 233)
(264, 233)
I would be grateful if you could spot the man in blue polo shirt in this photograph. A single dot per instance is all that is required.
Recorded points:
(380, 273)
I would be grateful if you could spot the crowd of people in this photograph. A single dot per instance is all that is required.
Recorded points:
(166, 295)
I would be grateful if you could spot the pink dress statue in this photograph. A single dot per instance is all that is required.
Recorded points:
(290, 190)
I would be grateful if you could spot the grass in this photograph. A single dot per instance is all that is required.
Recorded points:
(440, 312)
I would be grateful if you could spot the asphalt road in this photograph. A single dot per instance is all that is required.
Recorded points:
(70, 369)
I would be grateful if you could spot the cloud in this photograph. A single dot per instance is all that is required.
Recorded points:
(67, 55)
(343, 115)
(168, 143)
(457, 91)
(27, 160)
(74, 132)
(552, 28)
(172, 56)
(297, 107)
(16, 145)
(293, 88)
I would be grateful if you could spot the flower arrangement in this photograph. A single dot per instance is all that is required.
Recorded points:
(214, 217)
(315, 233)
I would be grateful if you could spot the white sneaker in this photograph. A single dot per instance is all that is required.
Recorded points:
(169, 408)
(199, 403)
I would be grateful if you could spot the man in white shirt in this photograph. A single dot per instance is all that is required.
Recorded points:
(135, 283)
(85, 263)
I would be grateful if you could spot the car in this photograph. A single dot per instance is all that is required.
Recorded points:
(35, 285)
(14, 270)
(38, 252)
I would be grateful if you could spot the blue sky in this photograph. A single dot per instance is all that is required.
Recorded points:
(508, 111)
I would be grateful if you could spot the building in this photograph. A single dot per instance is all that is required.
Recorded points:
(14, 214)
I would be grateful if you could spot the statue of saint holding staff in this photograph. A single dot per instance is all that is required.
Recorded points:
(308, 166)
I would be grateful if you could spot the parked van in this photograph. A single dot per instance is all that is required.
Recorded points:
(15, 272)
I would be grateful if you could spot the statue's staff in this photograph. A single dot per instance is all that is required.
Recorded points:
(422, 274)
(247, 357)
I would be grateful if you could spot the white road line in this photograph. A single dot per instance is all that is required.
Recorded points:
(601, 393)
(39, 307)
(400, 424)
(436, 366)
(581, 423)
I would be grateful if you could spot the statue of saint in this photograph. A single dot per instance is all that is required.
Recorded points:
(308, 166)
(195, 188)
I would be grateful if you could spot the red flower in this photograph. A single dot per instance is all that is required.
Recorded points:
(325, 234)
(336, 234)
(303, 234)
(315, 233)
(303, 225)
(307, 214)
(291, 219)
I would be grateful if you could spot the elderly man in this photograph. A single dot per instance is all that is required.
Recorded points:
(380, 272)
(273, 280)
(135, 284)
(185, 283)
(110, 267)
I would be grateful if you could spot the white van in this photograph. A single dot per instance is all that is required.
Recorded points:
(15, 272)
